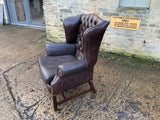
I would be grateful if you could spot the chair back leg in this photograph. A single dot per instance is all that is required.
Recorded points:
(92, 86)
(63, 95)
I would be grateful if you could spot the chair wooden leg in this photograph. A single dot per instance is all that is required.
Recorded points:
(55, 103)
(63, 95)
(92, 86)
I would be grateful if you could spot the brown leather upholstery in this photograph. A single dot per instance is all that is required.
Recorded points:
(48, 69)
(70, 64)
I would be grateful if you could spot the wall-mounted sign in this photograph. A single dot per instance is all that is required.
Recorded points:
(129, 23)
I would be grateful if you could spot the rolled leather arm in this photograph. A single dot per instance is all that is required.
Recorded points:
(71, 67)
(55, 49)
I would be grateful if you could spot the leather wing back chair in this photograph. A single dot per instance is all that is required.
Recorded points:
(68, 65)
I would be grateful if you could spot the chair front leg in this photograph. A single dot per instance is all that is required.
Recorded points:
(55, 103)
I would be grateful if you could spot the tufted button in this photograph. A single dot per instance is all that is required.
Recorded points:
(87, 19)
(88, 25)
(80, 55)
(79, 43)
(80, 49)
(83, 18)
(83, 22)
(83, 28)
(91, 20)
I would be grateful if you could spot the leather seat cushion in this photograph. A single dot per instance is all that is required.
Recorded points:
(48, 65)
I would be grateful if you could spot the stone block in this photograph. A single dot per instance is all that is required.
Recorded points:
(158, 31)
(152, 25)
(110, 14)
(144, 25)
(102, 9)
(66, 10)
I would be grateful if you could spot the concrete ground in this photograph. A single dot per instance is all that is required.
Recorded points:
(125, 91)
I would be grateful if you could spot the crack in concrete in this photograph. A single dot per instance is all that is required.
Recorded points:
(12, 96)
(29, 107)
(111, 97)
(32, 115)
(10, 88)
(81, 101)
(95, 102)
(12, 68)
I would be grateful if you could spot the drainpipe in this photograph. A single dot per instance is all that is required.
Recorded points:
(1, 14)
(6, 13)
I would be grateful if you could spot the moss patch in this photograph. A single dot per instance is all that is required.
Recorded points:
(51, 38)
(128, 59)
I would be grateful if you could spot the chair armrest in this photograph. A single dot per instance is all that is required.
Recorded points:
(55, 49)
(71, 67)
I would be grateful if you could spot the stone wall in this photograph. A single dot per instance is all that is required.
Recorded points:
(6, 21)
(115, 40)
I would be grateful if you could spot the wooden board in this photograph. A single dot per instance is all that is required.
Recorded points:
(129, 23)
(1, 14)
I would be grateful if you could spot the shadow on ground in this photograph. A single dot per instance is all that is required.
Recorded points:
(125, 91)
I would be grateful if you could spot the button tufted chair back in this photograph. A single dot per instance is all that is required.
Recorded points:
(87, 31)
(87, 21)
